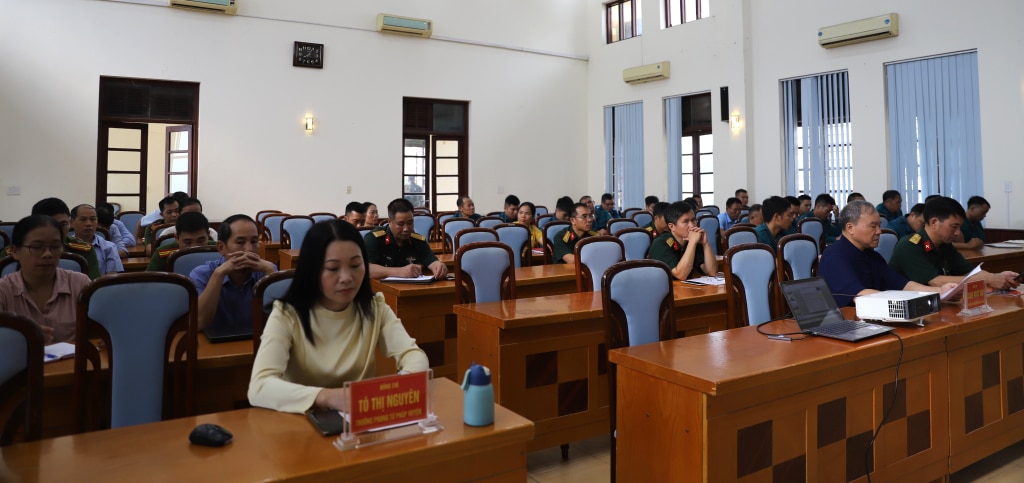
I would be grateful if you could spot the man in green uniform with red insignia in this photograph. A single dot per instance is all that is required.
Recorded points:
(58, 210)
(397, 251)
(192, 229)
(684, 247)
(657, 225)
(580, 224)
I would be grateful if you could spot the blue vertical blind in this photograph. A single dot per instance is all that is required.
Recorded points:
(674, 135)
(624, 153)
(816, 128)
(934, 127)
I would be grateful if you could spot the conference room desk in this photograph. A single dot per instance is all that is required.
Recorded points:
(271, 252)
(138, 250)
(997, 259)
(426, 311)
(734, 406)
(288, 257)
(135, 264)
(269, 445)
(547, 355)
(222, 384)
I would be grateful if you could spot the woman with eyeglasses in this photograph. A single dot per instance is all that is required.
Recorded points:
(40, 290)
(527, 211)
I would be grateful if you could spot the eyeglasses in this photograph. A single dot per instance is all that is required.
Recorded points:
(38, 250)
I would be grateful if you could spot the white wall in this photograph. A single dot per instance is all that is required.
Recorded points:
(527, 123)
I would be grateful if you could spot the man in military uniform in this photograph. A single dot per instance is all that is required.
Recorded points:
(928, 257)
(605, 213)
(684, 247)
(890, 207)
(657, 225)
(779, 214)
(191, 230)
(564, 241)
(397, 251)
(910, 223)
(511, 211)
(824, 205)
(972, 234)
(58, 210)
(467, 209)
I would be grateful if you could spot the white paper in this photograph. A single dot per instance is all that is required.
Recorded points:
(420, 279)
(58, 351)
(960, 285)
(706, 280)
(1003, 245)
(1015, 242)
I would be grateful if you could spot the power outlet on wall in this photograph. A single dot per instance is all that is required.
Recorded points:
(13, 190)
(1007, 186)
(348, 190)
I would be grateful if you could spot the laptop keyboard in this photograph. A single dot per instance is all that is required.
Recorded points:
(841, 327)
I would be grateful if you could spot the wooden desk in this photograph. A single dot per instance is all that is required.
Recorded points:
(135, 264)
(270, 252)
(138, 250)
(269, 445)
(547, 356)
(996, 259)
(289, 258)
(734, 406)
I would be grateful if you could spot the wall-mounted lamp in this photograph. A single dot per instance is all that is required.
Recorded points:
(735, 122)
(309, 124)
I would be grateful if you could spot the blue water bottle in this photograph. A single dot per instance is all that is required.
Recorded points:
(478, 408)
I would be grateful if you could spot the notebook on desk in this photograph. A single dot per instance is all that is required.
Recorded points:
(227, 334)
(816, 312)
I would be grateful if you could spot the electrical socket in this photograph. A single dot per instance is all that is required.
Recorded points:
(348, 190)
(1007, 186)
(13, 190)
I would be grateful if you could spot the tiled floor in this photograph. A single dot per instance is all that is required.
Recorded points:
(589, 463)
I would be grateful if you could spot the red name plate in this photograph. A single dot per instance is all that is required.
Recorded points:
(388, 401)
(974, 294)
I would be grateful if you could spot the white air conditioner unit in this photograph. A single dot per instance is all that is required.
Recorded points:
(404, 25)
(646, 73)
(874, 28)
(212, 6)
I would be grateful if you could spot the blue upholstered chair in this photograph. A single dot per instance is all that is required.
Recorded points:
(714, 209)
(544, 220)
(267, 290)
(541, 210)
(162, 231)
(423, 224)
(883, 223)
(702, 212)
(67, 261)
(365, 230)
(130, 219)
(739, 235)
(642, 218)
(815, 228)
(593, 257)
(636, 242)
(261, 215)
(452, 227)
(484, 272)
(637, 300)
(272, 226)
(185, 260)
(147, 322)
(751, 283)
(489, 222)
(474, 235)
(294, 229)
(886, 243)
(442, 216)
(517, 237)
(322, 216)
(797, 257)
(709, 223)
(21, 378)
(5, 240)
(620, 223)
(744, 218)
(628, 212)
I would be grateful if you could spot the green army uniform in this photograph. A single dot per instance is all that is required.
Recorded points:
(564, 243)
(87, 251)
(382, 249)
(667, 250)
(158, 262)
(972, 230)
(653, 230)
(916, 258)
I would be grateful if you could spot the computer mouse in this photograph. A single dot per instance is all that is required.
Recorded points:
(210, 435)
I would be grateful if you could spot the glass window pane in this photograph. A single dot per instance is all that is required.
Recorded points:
(705, 8)
(128, 203)
(447, 202)
(627, 20)
(450, 118)
(687, 145)
(415, 166)
(707, 182)
(638, 24)
(688, 183)
(124, 138)
(123, 183)
(123, 161)
(447, 166)
(179, 141)
(690, 10)
(179, 163)
(674, 14)
(708, 198)
(707, 163)
(415, 147)
(178, 182)
(446, 149)
(414, 184)
(687, 164)
(706, 143)
(418, 201)
(613, 24)
(447, 184)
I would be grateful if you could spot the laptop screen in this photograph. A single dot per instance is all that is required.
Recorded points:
(811, 302)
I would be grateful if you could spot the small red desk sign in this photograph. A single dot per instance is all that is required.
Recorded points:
(974, 294)
(388, 401)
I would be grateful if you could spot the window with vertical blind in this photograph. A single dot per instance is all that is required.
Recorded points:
(934, 127)
(678, 12)
(691, 162)
(816, 127)
(624, 153)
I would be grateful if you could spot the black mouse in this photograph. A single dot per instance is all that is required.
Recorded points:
(210, 435)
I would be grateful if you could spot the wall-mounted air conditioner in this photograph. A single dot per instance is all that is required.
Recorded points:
(646, 73)
(404, 25)
(874, 28)
(212, 6)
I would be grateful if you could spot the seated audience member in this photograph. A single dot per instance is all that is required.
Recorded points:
(191, 230)
(190, 205)
(563, 209)
(587, 200)
(825, 205)
(605, 213)
(225, 286)
(649, 203)
(579, 228)
(511, 212)
(466, 208)
(372, 216)
(327, 328)
(744, 197)
(805, 205)
(855, 196)
(355, 214)
(84, 222)
(127, 238)
(754, 215)
(779, 214)
(105, 219)
(795, 202)
(972, 234)
(58, 210)
(396, 250)
(931, 197)
(156, 215)
(890, 208)
(40, 290)
(168, 211)
(699, 201)
(928, 257)
(526, 218)
(731, 215)
(852, 267)
(910, 223)
(657, 225)
(684, 247)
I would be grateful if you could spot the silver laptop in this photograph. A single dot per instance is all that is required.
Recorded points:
(816, 312)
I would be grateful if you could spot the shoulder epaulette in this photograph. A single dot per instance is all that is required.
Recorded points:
(379, 233)
(417, 236)
(915, 239)
(79, 246)
(568, 236)
(167, 253)
(649, 228)
(592, 233)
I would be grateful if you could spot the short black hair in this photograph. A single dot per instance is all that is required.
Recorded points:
(577, 206)
(651, 200)
(977, 201)
(531, 206)
(368, 204)
(355, 206)
(890, 195)
(168, 200)
(931, 197)
(50, 207)
(606, 197)
(192, 221)
(179, 195)
(585, 197)
(675, 210)
(512, 200)
(692, 202)
(104, 216)
(399, 205)
(224, 230)
(189, 202)
(942, 208)
(659, 208)
(732, 201)
(460, 200)
(853, 196)
(29, 223)
(74, 211)
(105, 206)
(754, 207)
(741, 190)
(804, 197)
(824, 199)
(918, 209)
(565, 204)
(776, 205)
(793, 200)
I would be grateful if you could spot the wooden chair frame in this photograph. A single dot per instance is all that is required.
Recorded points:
(526, 257)
(21, 396)
(584, 279)
(259, 319)
(736, 305)
(185, 251)
(465, 291)
(475, 229)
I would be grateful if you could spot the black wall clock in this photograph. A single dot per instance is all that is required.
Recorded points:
(308, 55)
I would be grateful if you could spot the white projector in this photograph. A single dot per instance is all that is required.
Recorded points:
(897, 305)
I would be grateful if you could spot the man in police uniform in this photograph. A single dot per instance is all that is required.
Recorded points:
(657, 225)
(928, 257)
(684, 247)
(58, 210)
(396, 250)
(190, 230)
(972, 233)
(564, 241)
